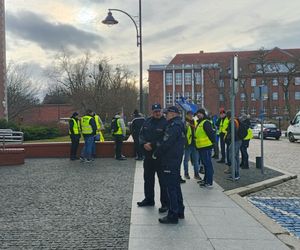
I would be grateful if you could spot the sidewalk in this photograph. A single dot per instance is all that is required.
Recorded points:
(212, 221)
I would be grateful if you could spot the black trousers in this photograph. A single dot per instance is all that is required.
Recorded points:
(244, 153)
(137, 147)
(118, 145)
(222, 145)
(151, 167)
(74, 145)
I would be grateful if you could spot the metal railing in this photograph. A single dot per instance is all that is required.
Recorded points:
(8, 136)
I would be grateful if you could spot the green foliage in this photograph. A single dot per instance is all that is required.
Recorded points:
(39, 132)
(8, 125)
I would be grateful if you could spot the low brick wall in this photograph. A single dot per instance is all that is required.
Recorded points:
(62, 149)
(12, 156)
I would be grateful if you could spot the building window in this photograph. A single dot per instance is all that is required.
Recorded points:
(221, 83)
(297, 80)
(285, 81)
(265, 110)
(275, 82)
(286, 94)
(198, 97)
(253, 111)
(275, 110)
(169, 78)
(221, 97)
(178, 95)
(187, 78)
(169, 98)
(243, 97)
(253, 97)
(275, 96)
(297, 95)
(178, 78)
(253, 82)
(187, 95)
(197, 78)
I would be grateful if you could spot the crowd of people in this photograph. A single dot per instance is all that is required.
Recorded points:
(163, 141)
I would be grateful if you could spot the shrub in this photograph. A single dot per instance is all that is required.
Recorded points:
(8, 125)
(39, 132)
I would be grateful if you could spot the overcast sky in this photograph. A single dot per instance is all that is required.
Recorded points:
(38, 29)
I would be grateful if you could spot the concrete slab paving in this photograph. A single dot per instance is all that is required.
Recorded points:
(212, 221)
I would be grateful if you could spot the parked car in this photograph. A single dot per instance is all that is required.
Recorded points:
(293, 131)
(269, 130)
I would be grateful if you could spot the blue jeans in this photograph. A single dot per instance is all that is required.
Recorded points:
(205, 155)
(189, 151)
(88, 146)
(236, 157)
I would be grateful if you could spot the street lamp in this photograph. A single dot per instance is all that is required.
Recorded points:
(110, 20)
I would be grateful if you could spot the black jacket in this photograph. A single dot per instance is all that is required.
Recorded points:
(136, 125)
(152, 131)
(171, 149)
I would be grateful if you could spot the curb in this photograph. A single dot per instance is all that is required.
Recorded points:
(237, 196)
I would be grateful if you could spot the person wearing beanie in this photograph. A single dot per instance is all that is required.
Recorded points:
(205, 138)
(74, 132)
(222, 124)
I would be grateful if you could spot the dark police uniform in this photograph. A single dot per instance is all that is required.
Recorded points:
(171, 152)
(152, 131)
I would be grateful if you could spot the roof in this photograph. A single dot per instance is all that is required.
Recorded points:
(225, 57)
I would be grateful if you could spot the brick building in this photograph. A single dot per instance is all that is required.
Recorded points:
(3, 108)
(204, 78)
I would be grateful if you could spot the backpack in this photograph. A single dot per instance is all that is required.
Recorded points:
(114, 125)
(242, 130)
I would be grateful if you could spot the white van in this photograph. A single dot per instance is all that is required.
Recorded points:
(293, 131)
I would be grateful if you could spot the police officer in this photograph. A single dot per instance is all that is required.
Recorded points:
(151, 134)
(74, 132)
(135, 128)
(170, 151)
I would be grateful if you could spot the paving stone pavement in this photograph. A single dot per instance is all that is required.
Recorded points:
(282, 155)
(59, 204)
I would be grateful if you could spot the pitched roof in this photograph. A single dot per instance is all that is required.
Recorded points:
(225, 57)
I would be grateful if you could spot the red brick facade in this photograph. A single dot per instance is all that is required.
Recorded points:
(47, 114)
(179, 78)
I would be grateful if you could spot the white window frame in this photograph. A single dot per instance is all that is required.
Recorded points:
(253, 82)
(178, 78)
(297, 95)
(253, 97)
(197, 78)
(188, 78)
(221, 83)
(177, 96)
(221, 97)
(169, 78)
(169, 98)
(297, 80)
(253, 111)
(243, 97)
(275, 96)
(198, 97)
(275, 110)
(275, 82)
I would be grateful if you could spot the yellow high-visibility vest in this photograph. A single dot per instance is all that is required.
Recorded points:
(224, 125)
(119, 131)
(202, 140)
(85, 125)
(249, 135)
(76, 127)
(189, 132)
(98, 124)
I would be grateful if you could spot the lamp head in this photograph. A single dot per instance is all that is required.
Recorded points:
(110, 20)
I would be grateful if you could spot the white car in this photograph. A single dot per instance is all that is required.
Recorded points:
(293, 131)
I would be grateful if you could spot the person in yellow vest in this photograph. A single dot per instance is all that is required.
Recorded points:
(118, 130)
(245, 142)
(88, 128)
(190, 148)
(100, 128)
(74, 132)
(204, 140)
(222, 124)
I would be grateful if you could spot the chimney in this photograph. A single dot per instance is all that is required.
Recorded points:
(201, 52)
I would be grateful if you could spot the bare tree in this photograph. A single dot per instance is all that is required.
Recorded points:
(96, 84)
(22, 92)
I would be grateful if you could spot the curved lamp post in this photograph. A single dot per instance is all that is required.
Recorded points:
(110, 20)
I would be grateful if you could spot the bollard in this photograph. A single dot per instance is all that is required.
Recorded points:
(258, 162)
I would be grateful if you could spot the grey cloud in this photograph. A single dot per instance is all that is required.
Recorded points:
(166, 34)
(32, 27)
